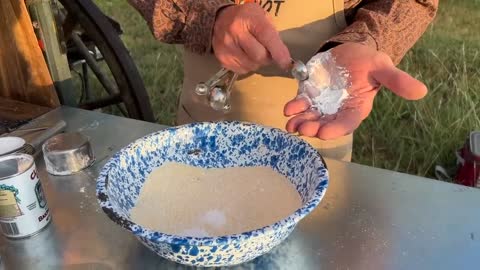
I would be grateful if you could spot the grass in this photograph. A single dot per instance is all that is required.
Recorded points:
(409, 137)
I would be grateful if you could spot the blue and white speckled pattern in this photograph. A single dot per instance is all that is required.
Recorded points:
(212, 145)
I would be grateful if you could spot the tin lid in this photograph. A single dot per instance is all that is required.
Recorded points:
(14, 164)
(10, 144)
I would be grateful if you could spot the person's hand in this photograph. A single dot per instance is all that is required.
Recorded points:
(244, 39)
(368, 70)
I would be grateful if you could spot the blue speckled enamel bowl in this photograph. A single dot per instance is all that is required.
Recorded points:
(212, 145)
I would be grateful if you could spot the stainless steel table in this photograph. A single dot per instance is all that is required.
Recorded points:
(369, 219)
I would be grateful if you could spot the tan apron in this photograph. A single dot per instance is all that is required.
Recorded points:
(259, 98)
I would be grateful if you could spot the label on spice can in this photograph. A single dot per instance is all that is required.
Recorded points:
(23, 207)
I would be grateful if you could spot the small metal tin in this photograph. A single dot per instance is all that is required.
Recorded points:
(67, 153)
(23, 207)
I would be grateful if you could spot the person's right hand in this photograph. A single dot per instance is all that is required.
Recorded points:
(244, 39)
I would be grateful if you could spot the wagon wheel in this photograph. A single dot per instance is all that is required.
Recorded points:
(91, 37)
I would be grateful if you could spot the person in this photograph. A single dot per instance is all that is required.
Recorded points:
(258, 39)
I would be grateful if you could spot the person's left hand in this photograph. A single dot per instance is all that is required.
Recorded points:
(368, 69)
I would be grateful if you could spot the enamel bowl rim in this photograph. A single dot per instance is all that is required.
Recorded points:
(127, 224)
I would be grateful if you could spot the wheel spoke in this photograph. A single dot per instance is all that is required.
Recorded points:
(109, 87)
(104, 32)
(102, 102)
(86, 82)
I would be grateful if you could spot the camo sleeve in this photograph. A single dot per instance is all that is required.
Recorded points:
(188, 22)
(390, 26)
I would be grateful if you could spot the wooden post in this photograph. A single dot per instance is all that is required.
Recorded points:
(24, 75)
(55, 52)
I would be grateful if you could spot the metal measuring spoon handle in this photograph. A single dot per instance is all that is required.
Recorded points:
(219, 95)
(228, 90)
(204, 87)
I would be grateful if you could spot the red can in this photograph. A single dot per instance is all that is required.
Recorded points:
(468, 161)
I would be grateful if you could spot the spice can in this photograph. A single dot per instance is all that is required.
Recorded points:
(23, 207)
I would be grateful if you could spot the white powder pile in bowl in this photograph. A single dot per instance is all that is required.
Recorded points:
(190, 201)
